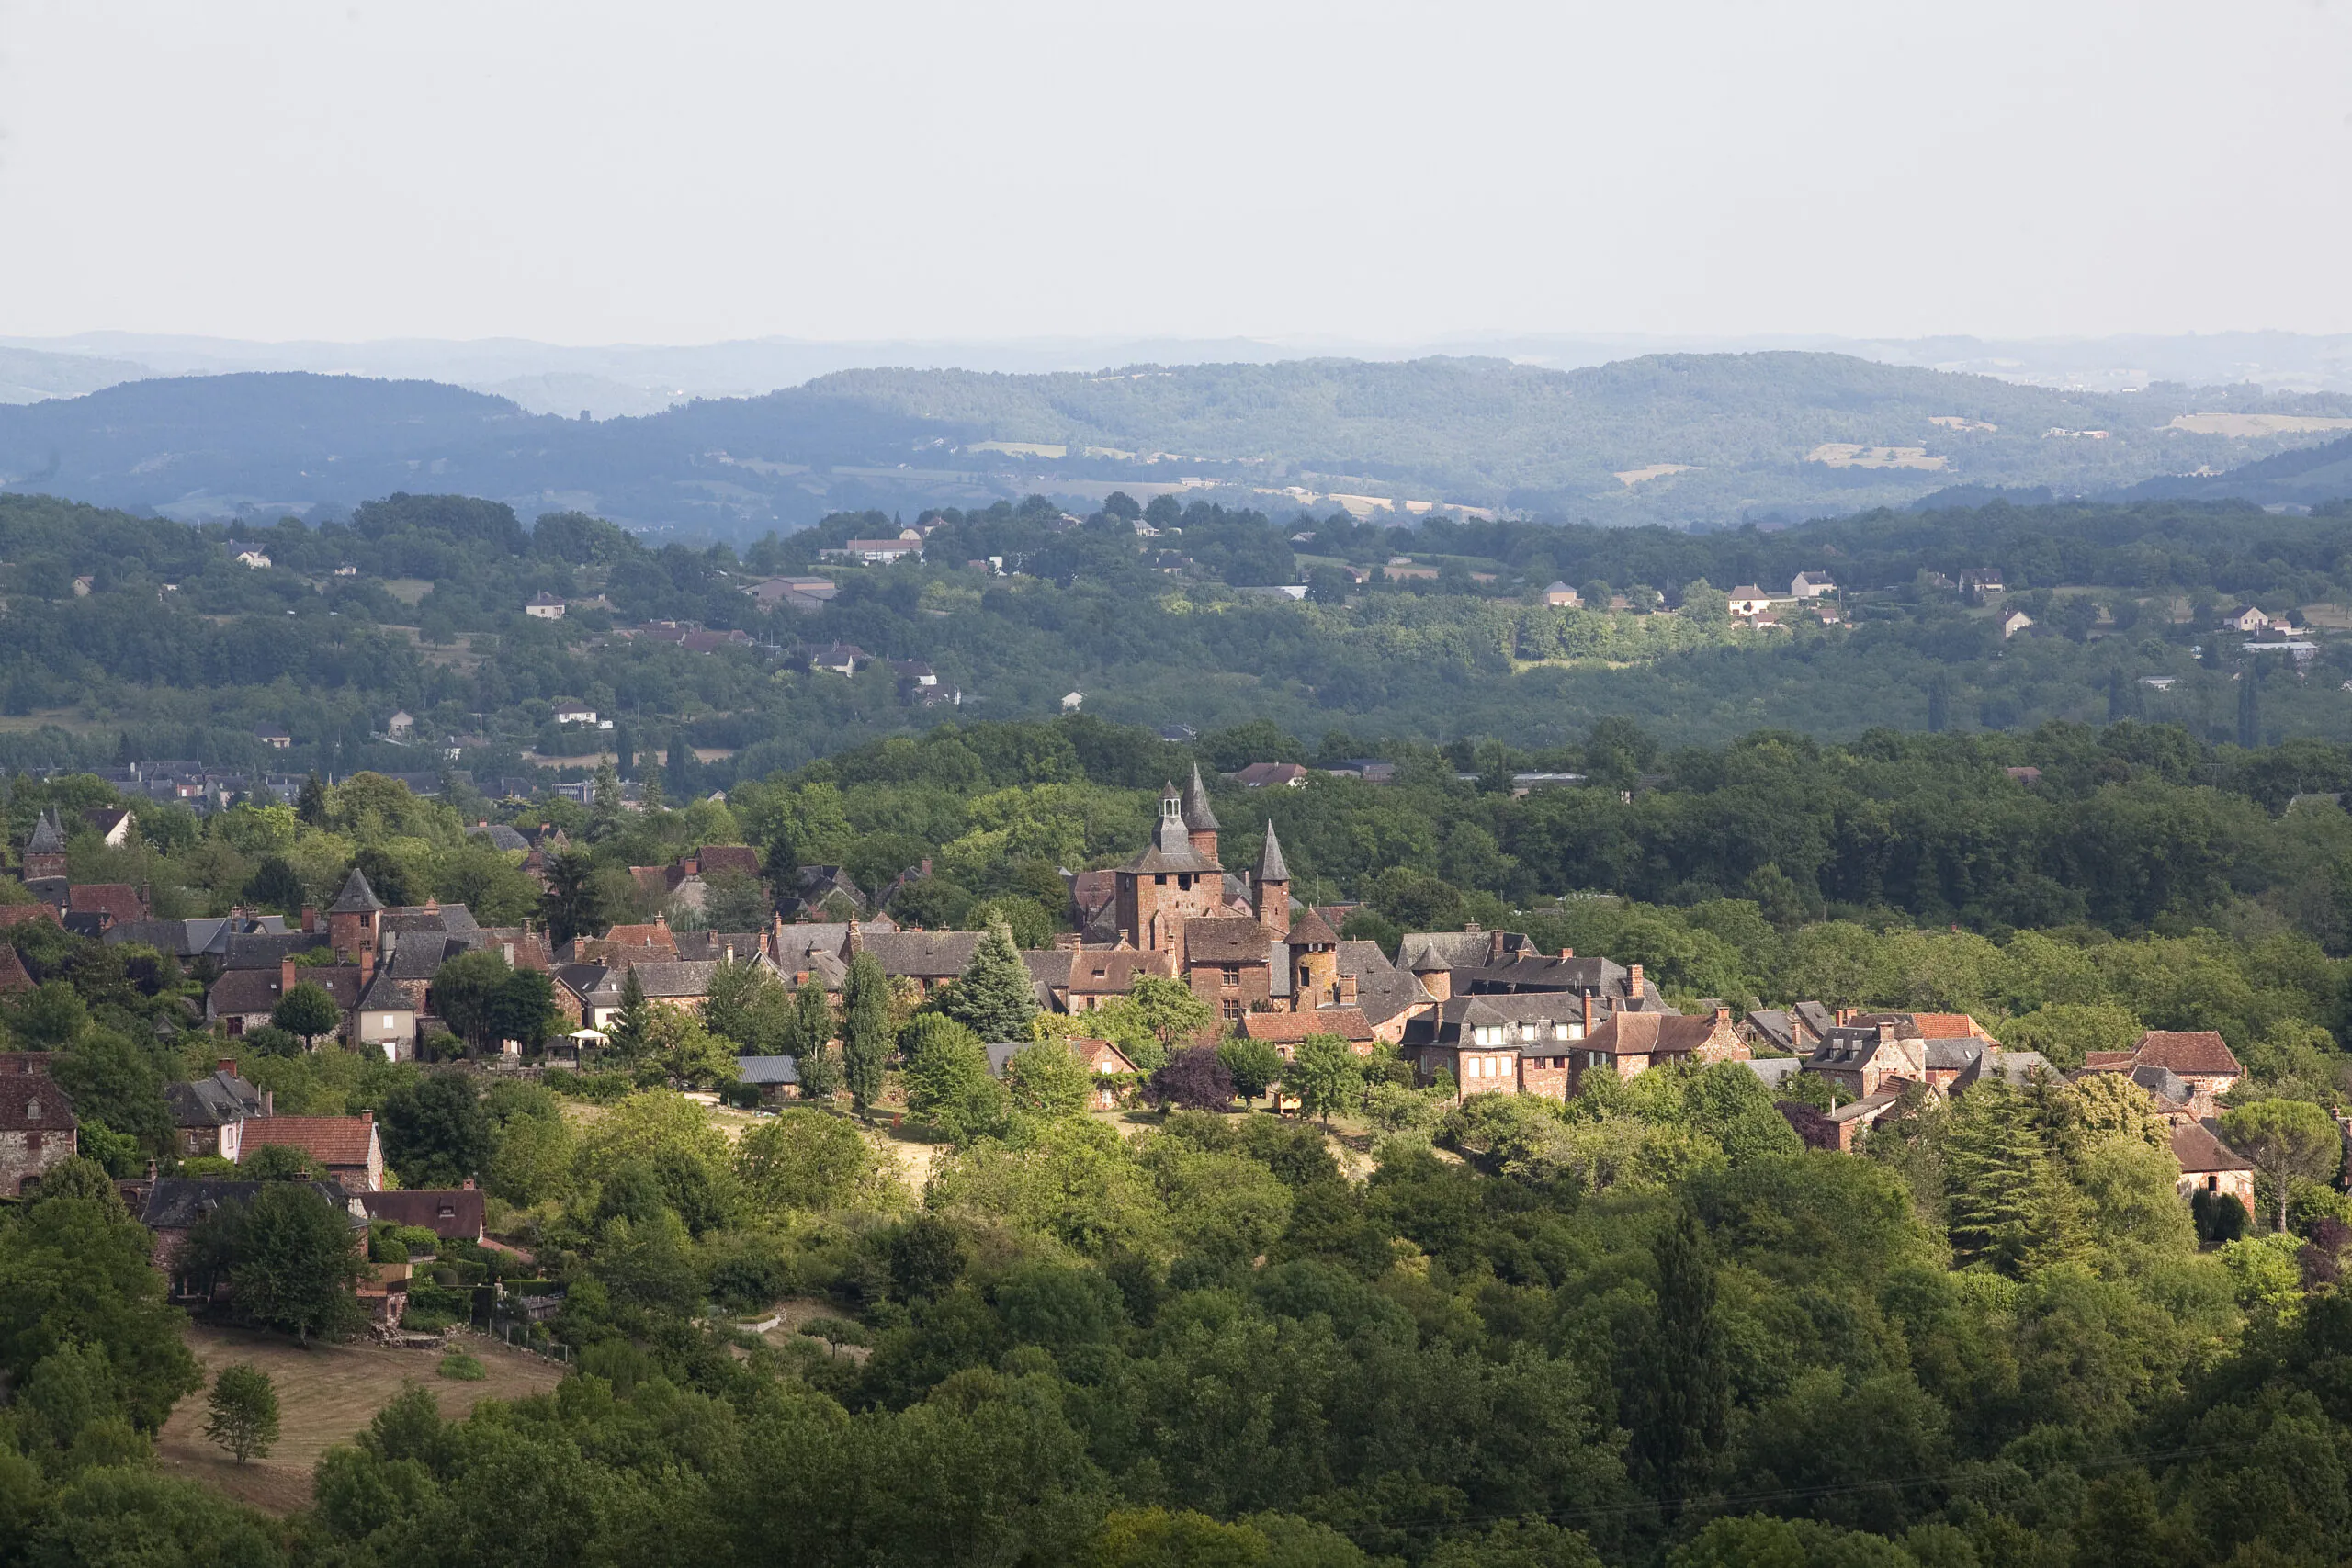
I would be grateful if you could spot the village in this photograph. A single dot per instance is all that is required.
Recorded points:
(1451, 1016)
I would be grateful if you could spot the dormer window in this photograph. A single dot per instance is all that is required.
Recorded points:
(32, 1111)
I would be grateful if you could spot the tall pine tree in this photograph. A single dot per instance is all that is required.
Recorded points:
(1677, 1386)
(994, 996)
(2005, 1206)
(866, 1028)
(631, 1031)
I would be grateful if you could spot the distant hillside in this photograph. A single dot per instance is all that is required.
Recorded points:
(2306, 476)
(1678, 439)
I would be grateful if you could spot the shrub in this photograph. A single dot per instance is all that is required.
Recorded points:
(459, 1367)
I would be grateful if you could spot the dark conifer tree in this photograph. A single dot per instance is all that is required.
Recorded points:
(1678, 1388)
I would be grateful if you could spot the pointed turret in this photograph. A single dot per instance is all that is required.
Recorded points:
(353, 926)
(1199, 820)
(1271, 886)
(49, 839)
(357, 898)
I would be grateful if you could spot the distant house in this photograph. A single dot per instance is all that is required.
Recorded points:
(346, 1146)
(112, 824)
(544, 607)
(1071, 701)
(839, 658)
(2159, 683)
(401, 726)
(1274, 776)
(877, 552)
(2209, 1165)
(453, 1213)
(1812, 585)
(2245, 618)
(1104, 1060)
(2013, 622)
(804, 593)
(2202, 1059)
(253, 558)
(273, 735)
(209, 1116)
(776, 1077)
(1560, 596)
(571, 710)
(1981, 586)
(1747, 599)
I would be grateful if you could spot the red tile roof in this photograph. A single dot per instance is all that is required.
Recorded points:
(2203, 1051)
(120, 899)
(1948, 1026)
(2200, 1152)
(1290, 1028)
(331, 1139)
(18, 914)
(715, 858)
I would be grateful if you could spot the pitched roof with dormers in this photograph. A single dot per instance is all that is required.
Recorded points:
(30, 1104)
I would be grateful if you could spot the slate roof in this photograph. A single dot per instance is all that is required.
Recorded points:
(1170, 852)
(268, 950)
(176, 1202)
(1458, 950)
(500, 836)
(922, 955)
(1445, 1026)
(1096, 971)
(1227, 939)
(674, 979)
(765, 1070)
(1196, 812)
(331, 1139)
(1310, 930)
(48, 838)
(214, 1100)
(446, 918)
(712, 946)
(592, 982)
(1382, 990)
(357, 898)
(385, 994)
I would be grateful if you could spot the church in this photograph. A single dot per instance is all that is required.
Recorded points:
(1231, 939)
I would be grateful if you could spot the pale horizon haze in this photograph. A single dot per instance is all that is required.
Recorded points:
(593, 174)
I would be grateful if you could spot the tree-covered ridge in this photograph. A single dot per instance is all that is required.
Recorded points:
(1745, 431)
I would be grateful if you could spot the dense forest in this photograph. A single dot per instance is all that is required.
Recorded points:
(129, 637)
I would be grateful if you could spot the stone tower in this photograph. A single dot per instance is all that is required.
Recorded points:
(1166, 885)
(352, 918)
(1200, 822)
(1269, 887)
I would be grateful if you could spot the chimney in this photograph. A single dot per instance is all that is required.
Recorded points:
(508, 949)
(1347, 990)
(228, 1065)
(926, 865)
(1886, 1032)
(1588, 1014)
(285, 975)
(1634, 982)
(730, 954)
(369, 1117)
(1567, 953)
(366, 965)
(310, 917)
(1494, 947)
(1722, 1015)
(468, 1185)
(268, 1102)
(856, 940)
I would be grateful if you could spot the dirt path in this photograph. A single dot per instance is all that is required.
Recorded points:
(326, 1394)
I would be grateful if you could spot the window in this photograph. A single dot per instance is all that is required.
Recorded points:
(1233, 1008)
(1228, 975)
(32, 1111)
(1572, 1032)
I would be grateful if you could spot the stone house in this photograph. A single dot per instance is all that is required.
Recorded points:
(1283, 1030)
(453, 1213)
(209, 1116)
(37, 1131)
(1627, 1043)
(2200, 1059)
(2209, 1165)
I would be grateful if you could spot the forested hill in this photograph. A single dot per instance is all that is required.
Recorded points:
(1678, 439)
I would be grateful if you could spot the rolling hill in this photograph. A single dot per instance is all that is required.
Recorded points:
(1681, 439)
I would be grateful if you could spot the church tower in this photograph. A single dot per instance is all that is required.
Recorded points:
(1199, 820)
(1269, 887)
(1169, 883)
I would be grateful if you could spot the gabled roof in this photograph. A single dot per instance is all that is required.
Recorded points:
(357, 898)
(923, 955)
(455, 1212)
(765, 1070)
(1196, 813)
(176, 1202)
(1382, 990)
(1650, 1033)
(674, 979)
(1290, 1028)
(20, 1094)
(214, 1100)
(117, 900)
(2199, 1153)
(2202, 1052)
(1225, 939)
(500, 836)
(331, 1139)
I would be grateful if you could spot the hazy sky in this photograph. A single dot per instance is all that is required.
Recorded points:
(677, 171)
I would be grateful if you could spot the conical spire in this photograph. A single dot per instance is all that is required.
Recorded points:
(1197, 815)
(48, 838)
(1269, 859)
(357, 898)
